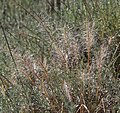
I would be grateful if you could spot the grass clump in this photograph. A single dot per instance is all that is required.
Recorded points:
(63, 62)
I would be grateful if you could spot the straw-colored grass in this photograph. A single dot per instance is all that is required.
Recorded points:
(67, 62)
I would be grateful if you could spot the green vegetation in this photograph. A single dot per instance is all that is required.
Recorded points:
(61, 59)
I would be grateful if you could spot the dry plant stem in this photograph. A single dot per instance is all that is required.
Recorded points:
(83, 80)
(44, 69)
(6, 39)
(88, 49)
(44, 89)
(65, 37)
(28, 64)
(67, 91)
(27, 75)
(97, 83)
(67, 45)
(82, 108)
(52, 100)
(61, 55)
(114, 59)
(5, 78)
(82, 102)
(99, 72)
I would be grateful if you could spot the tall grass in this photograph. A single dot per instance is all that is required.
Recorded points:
(59, 64)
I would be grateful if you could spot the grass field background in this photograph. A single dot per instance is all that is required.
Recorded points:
(61, 60)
